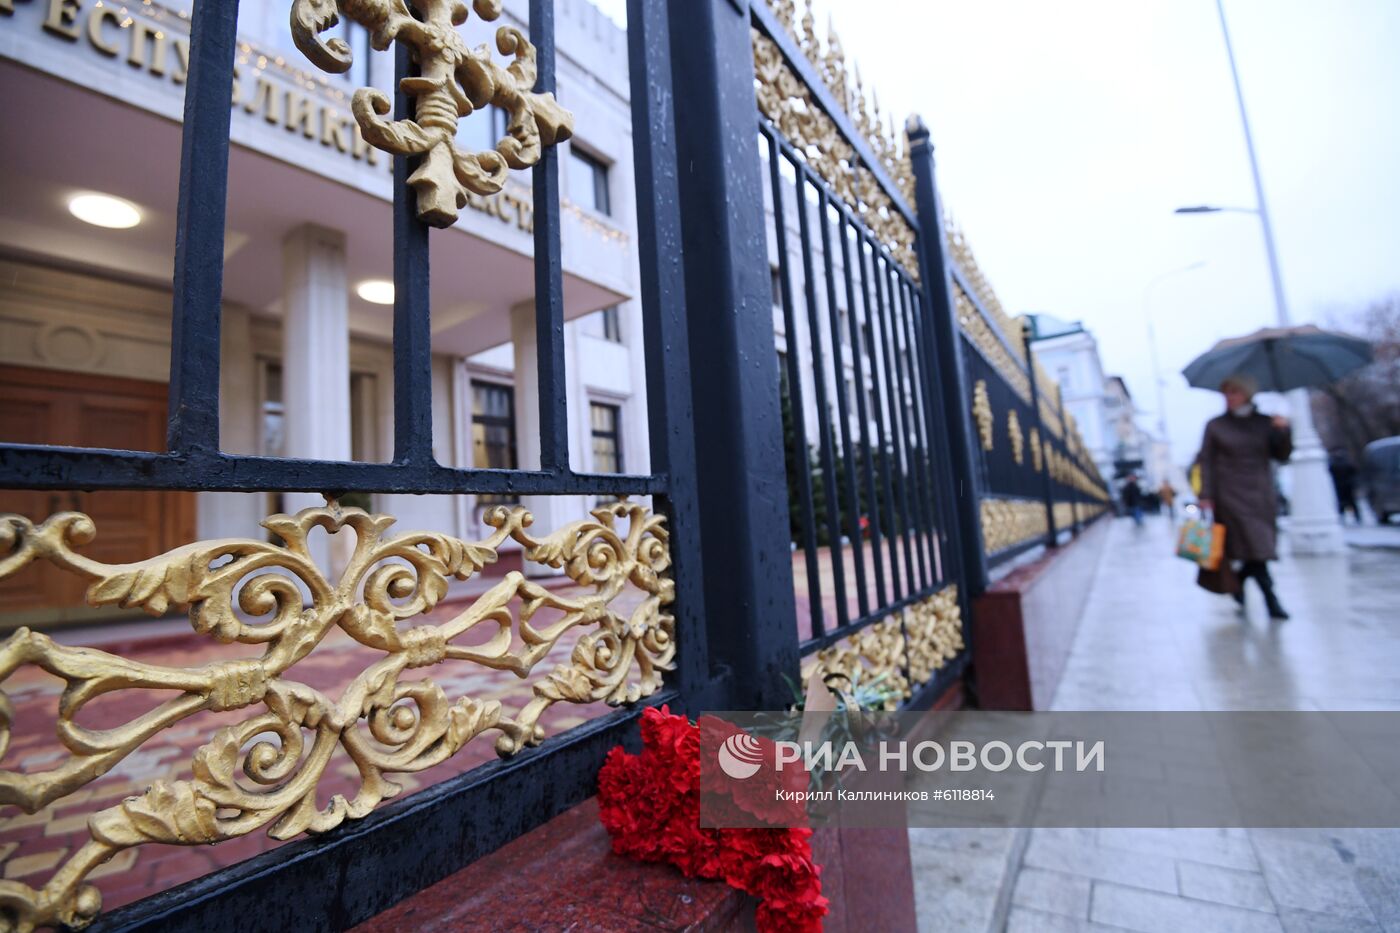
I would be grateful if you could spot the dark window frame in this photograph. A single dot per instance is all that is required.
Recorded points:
(615, 435)
(488, 421)
(612, 323)
(602, 192)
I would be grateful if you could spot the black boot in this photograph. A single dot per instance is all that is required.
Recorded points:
(1266, 583)
(1241, 575)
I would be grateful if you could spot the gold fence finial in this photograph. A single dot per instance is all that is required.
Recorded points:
(835, 61)
(794, 109)
(454, 81)
(786, 11)
(807, 38)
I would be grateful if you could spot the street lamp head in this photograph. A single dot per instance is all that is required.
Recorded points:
(1199, 209)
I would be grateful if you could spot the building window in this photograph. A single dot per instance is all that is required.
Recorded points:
(274, 443)
(612, 324)
(588, 181)
(606, 422)
(777, 282)
(493, 432)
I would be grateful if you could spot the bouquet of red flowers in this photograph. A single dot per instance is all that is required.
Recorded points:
(650, 805)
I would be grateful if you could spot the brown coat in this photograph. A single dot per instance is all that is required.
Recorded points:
(1237, 477)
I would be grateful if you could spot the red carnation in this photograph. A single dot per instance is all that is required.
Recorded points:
(650, 806)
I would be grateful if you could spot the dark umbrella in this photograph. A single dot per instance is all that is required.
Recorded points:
(1281, 358)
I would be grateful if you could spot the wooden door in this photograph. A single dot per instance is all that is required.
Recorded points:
(39, 406)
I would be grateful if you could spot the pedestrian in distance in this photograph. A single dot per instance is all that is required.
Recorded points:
(1344, 471)
(1167, 493)
(1237, 486)
(1132, 499)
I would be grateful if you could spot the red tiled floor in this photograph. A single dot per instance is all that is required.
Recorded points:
(877, 569)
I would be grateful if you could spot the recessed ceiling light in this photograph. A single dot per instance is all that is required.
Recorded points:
(103, 210)
(376, 291)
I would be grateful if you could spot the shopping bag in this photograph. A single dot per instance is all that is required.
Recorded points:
(1223, 579)
(1202, 541)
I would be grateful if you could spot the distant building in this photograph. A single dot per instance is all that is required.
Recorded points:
(1072, 360)
(1132, 448)
(1103, 408)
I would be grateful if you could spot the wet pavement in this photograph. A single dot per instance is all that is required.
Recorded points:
(1149, 639)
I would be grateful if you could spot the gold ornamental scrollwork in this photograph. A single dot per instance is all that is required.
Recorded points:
(975, 326)
(873, 655)
(845, 85)
(982, 414)
(1013, 433)
(960, 252)
(1049, 401)
(935, 634)
(789, 104)
(1036, 455)
(454, 81)
(1009, 522)
(880, 652)
(265, 770)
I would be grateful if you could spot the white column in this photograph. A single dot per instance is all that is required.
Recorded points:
(550, 512)
(315, 356)
(1314, 526)
(577, 399)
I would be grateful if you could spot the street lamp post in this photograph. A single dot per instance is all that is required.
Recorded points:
(1314, 525)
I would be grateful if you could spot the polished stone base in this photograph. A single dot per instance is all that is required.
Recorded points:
(1024, 624)
(563, 876)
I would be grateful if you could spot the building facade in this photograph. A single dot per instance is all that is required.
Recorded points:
(1073, 361)
(1105, 412)
(87, 204)
(1134, 449)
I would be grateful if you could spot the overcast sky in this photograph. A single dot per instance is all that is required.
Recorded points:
(1067, 132)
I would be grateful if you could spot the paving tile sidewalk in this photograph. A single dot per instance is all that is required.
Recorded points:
(1151, 640)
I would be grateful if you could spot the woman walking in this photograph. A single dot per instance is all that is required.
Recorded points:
(1237, 484)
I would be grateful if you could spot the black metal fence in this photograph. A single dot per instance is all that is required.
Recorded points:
(869, 483)
(1035, 481)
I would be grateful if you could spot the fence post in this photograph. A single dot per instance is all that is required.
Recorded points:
(1052, 535)
(733, 364)
(944, 334)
